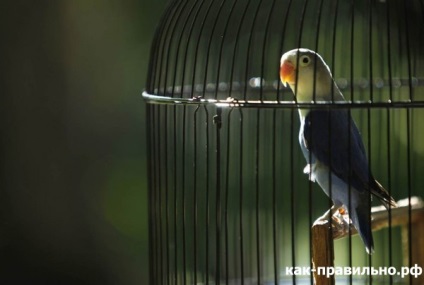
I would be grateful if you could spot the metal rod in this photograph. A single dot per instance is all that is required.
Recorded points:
(233, 103)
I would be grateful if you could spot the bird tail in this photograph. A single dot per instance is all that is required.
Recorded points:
(382, 194)
(361, 219)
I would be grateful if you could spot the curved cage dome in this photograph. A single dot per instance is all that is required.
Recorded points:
(220, 49)
(229, 200)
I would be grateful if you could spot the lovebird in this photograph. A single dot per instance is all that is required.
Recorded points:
(331, 143)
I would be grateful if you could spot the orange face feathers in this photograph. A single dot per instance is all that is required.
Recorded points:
(287, 72)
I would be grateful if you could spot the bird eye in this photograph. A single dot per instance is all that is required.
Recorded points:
(304, 60)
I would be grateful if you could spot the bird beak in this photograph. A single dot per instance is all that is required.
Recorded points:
(287, 72)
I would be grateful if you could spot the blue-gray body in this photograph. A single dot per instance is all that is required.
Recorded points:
(336, 158)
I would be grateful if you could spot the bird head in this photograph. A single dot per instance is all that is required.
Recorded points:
(307, 75)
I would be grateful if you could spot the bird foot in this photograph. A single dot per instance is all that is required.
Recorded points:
(339, 219)
(342, 219)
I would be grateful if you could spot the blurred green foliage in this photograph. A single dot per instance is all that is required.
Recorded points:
(74, 192)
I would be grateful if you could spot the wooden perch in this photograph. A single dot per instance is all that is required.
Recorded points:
(380, 217)
(323, 235)
(322, 251)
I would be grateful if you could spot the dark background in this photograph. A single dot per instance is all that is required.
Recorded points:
(73, 159)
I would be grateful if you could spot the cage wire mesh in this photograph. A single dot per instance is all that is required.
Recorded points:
(228, 200)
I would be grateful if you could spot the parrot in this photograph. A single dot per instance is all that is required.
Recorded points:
(331, 143)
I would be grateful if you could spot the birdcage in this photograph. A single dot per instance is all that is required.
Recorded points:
(229, 202)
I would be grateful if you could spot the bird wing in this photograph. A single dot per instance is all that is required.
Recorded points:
(334, 140)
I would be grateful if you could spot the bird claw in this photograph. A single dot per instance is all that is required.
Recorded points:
(343, 221)
(339, 220)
